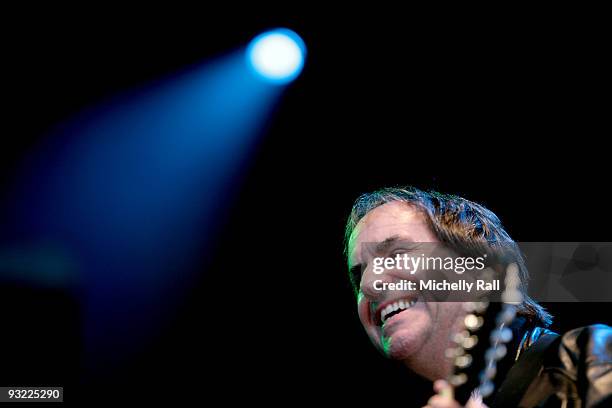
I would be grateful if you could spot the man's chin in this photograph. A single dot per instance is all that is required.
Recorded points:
(406, 334)
(402, 344)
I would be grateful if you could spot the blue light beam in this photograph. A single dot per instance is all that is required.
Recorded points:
(134, 189)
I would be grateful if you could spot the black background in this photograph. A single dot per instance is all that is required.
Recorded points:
(509, 112)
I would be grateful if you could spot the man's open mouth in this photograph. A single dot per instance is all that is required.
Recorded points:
(389, 310)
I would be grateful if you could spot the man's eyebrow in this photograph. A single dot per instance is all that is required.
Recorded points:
(384, 246)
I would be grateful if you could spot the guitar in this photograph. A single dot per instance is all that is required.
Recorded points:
(481, 342)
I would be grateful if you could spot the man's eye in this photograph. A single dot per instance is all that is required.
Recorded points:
(402, 251)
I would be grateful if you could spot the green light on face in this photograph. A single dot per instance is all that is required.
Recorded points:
(386, 345)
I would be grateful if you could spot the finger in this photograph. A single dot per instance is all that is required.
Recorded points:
(438, 401)
(440, 385)
(444, 389)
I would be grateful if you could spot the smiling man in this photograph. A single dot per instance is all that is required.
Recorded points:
(417, 333)
(407, 328)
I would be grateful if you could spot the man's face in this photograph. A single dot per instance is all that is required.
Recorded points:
(420, 334)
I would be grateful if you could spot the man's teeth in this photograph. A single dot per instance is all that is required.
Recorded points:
(399, 305)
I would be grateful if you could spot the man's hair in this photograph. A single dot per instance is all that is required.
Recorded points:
(458, 223)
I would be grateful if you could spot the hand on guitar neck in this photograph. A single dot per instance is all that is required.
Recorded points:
(444, 398)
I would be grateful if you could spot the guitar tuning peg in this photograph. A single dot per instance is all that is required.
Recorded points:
(486, 389)
(500, 351)
(506, 316)
(512, 281)
(512, 296)
(480, 307)
(460, 337)
(473, 322)
(470, 342)
(453, 353)
(503, 335)
(512, 270)
(488, 373)
(463, 361)
(496, 353)
(459, 379)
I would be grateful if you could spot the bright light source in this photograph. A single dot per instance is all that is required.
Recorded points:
(277, 55)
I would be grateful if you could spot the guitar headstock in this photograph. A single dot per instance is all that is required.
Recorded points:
(481, 341)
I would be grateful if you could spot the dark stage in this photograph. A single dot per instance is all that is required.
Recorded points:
(509, 115)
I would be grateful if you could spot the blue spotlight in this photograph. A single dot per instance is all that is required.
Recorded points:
(277, 55)
(134, 191)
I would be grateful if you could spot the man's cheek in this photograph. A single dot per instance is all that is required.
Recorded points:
(360, 298)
